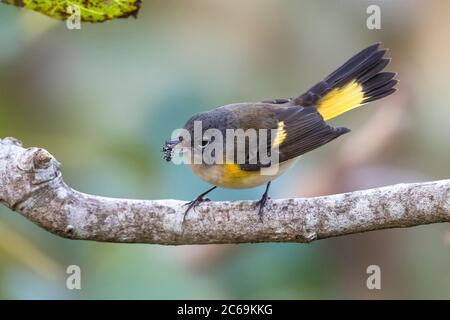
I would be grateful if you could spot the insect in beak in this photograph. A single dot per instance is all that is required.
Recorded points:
(168, 149)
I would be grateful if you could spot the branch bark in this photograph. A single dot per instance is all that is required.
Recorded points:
(31, 184)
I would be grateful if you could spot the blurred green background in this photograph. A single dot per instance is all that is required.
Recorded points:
(104, 99)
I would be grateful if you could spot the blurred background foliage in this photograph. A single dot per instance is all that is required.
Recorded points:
(104, 99)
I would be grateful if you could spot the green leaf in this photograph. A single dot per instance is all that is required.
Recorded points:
(90, 10)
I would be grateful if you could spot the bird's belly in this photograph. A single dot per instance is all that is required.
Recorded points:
(230, 176)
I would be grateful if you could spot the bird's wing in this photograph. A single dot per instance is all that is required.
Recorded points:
(301, 130)
(297, 130)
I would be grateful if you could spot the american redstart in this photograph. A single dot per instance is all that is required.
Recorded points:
(293, 126)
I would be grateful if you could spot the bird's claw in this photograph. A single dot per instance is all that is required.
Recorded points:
(192, 204)
(261, 204)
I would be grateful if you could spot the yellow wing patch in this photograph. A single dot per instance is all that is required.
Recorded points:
(281, 134)
(341, 100)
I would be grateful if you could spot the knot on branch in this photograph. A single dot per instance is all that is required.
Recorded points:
(23, 171)
(11, 141)
(42, 166)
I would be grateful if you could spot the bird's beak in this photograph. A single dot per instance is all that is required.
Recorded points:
(168, 149)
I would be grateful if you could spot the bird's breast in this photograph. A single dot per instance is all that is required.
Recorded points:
(231, 176)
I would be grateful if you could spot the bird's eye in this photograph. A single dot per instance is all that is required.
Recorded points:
(205, 143)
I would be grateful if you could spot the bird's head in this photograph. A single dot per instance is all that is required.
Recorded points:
(199, 132)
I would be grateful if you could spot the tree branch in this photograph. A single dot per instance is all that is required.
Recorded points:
(31, 184)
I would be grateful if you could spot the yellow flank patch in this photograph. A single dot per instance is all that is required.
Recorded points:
(281, 134)
(233, 171)
(341, 100)
(233, 176)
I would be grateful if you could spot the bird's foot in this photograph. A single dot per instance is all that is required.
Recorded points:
(261, 204)
(201, 198)
(194, 203)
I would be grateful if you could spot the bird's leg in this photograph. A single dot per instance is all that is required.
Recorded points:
(201, 198)
(262, 202)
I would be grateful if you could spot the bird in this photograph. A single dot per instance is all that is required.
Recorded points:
(296, 126)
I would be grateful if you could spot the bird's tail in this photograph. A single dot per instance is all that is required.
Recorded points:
(356, 82)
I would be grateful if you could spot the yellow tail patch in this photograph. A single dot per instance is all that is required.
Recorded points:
(340, 100)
